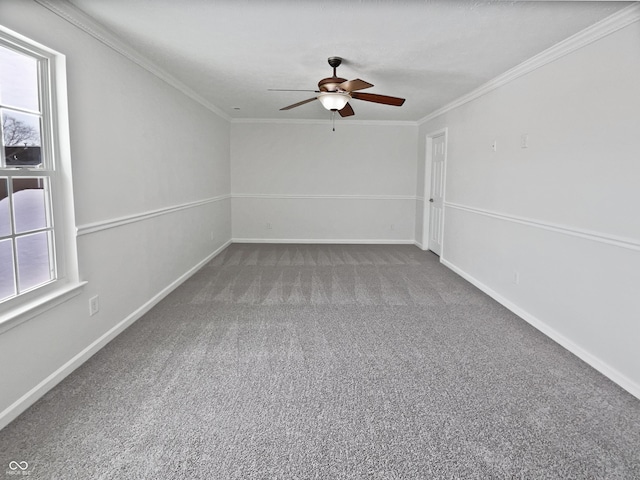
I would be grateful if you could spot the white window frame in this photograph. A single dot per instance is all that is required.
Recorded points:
(56, 165)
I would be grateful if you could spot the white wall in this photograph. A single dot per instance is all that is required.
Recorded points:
(151, 178)
(356, 184)
(562, 213)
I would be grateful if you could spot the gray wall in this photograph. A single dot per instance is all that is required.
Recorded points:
(139, 148)
(562, 213)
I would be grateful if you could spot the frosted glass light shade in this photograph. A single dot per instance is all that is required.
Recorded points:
(334, 100)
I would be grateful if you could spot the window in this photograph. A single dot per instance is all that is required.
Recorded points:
(35, 220)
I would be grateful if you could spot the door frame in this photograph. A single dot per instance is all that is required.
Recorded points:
(426, 193)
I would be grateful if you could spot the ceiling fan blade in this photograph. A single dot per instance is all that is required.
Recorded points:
(346, 111)
(353, 85)
(299, 103)
(384, 99)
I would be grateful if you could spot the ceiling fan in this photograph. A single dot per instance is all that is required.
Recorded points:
(334, 93)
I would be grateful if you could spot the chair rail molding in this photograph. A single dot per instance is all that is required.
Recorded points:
(628, 243)
(278, 196)
(138, 217)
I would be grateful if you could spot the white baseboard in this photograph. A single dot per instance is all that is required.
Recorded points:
(336, 241)
(614, 375)
(33, 395)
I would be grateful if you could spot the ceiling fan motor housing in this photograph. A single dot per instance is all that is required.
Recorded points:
(330, 84)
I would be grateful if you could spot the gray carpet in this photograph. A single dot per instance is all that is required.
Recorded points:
(329, 362)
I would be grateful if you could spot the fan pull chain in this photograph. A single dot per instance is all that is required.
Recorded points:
(333, 119)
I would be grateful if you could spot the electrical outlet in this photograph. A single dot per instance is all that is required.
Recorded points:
(393, 227)
(494, 146)
(516, 277)
(268, 226)
(524, 140)
(94, 305)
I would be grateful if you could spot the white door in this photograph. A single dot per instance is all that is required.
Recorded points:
(436, 200)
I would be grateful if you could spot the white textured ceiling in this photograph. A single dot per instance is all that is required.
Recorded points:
(430, 52)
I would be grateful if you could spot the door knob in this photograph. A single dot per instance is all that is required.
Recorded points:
(431, 200)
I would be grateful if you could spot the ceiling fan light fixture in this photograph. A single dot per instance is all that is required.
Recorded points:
(334, 100)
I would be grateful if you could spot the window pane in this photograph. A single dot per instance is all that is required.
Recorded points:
(7, 277)
(29, 203)
(5, 218)
(33, 260)
(22, 139)
(18, 80)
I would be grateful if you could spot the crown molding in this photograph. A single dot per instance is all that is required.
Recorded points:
(300, 121)
(87, 24)
(601, 29)
(607, 26)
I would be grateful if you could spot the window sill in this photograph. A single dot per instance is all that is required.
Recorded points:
(34, 308)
